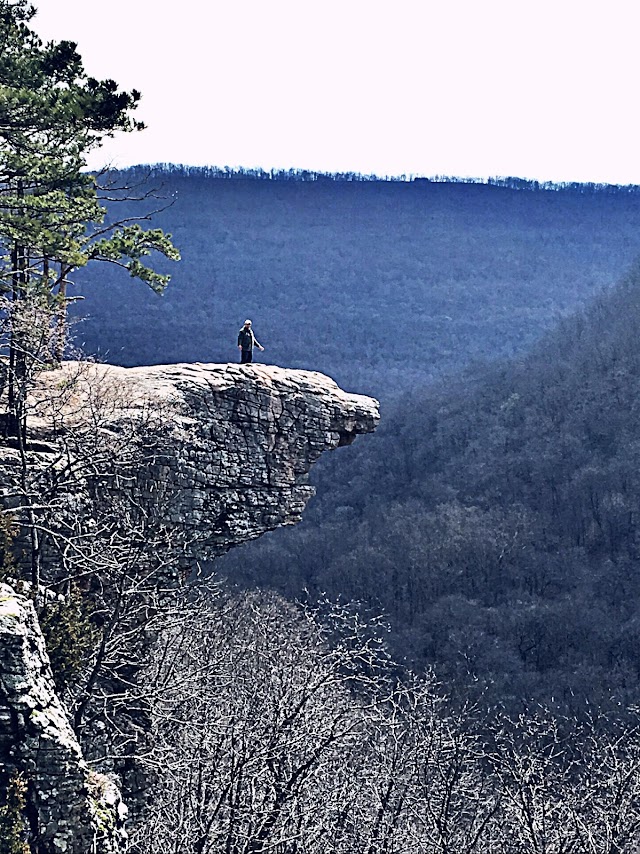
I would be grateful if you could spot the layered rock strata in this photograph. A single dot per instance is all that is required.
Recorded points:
(234, 443)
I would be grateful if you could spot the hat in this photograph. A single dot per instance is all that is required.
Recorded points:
(247, 321)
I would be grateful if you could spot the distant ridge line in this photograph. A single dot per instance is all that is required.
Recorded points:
(315, 176)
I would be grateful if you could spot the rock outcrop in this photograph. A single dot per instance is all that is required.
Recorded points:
(218, 454)
(234, 443)
(69, 808)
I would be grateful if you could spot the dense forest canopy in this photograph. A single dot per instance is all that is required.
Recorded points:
(493, 516)
(383, 285)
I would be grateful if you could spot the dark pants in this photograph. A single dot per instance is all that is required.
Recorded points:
(246, 357)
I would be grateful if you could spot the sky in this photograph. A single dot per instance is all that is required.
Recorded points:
(540, 89)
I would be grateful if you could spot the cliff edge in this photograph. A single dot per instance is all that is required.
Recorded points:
(232, 444)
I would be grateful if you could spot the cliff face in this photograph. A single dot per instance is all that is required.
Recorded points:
(232, 444)
(69, 809)
(213, 455)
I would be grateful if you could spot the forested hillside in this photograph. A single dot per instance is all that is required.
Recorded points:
(383, 285)
(495, 520)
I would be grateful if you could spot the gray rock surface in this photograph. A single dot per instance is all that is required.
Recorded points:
(237, 442)
(70, 809)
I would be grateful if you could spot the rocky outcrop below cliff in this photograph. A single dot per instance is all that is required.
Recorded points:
(190, 460)
(69, 809)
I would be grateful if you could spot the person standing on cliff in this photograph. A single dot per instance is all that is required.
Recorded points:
(246, 341)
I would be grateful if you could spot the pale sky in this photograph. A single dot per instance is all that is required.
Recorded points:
(544, 89)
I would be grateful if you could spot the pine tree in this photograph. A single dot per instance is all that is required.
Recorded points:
(52, 115)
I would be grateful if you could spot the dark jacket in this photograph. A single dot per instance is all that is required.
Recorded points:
(246, 339)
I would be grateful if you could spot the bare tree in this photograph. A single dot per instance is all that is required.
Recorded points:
(88, 524)
(606, 812)
(454, 797)
(537, 766)
(259, 727)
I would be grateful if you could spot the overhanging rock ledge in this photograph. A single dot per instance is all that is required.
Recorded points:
(237, 441)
